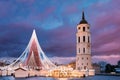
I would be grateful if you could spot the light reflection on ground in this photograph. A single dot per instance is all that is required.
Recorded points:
(44, 78)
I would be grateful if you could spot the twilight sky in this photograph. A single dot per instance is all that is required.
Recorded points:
(55, 22)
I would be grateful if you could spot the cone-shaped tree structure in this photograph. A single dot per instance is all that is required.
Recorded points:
(33, 59)
(33, 56)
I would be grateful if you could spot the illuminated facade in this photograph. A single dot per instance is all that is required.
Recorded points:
(64, 72)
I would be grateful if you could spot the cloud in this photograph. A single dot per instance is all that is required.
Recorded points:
(51, 23)
(56, 42)
(62, 60)
(27, 2)
(55, 23)
(12, 40)
(107, 58)
(95, 59)
(105, 28)
(106, 34)
(66, 60)
(59, 42)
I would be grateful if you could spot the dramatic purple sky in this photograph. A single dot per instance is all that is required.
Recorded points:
(55, 22)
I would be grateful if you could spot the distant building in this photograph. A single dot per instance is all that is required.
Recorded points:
(96, 67)
(102, 66)
(117, 70)
(118, 63)
(20, 72)
(72, 65)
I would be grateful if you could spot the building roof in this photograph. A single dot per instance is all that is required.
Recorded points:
(21, 69)
(83, 21)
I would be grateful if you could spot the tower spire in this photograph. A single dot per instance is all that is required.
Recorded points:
(83, 16)
(83, 21)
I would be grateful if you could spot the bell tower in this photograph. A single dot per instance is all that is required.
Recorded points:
(83, 45)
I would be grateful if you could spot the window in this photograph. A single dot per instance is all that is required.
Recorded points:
(87, 58)
(87, 63)
(84, 67)
(83, 28)
(88, 27)
(83, 50)
(79, 50)
(88, 39)
(78, 39)
(83, 38)
(82, 58)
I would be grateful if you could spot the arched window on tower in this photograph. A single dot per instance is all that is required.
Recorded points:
(88, 27)
(88, 39)
(83, 28)
(87, 58)
(79, 50)
(84, 67)
(87, 63)
(78, 39)
(83, 50)
(83, 38)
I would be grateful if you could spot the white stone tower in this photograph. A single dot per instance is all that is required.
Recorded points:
(83, 57)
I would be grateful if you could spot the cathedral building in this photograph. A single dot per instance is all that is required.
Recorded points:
(83, 45)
